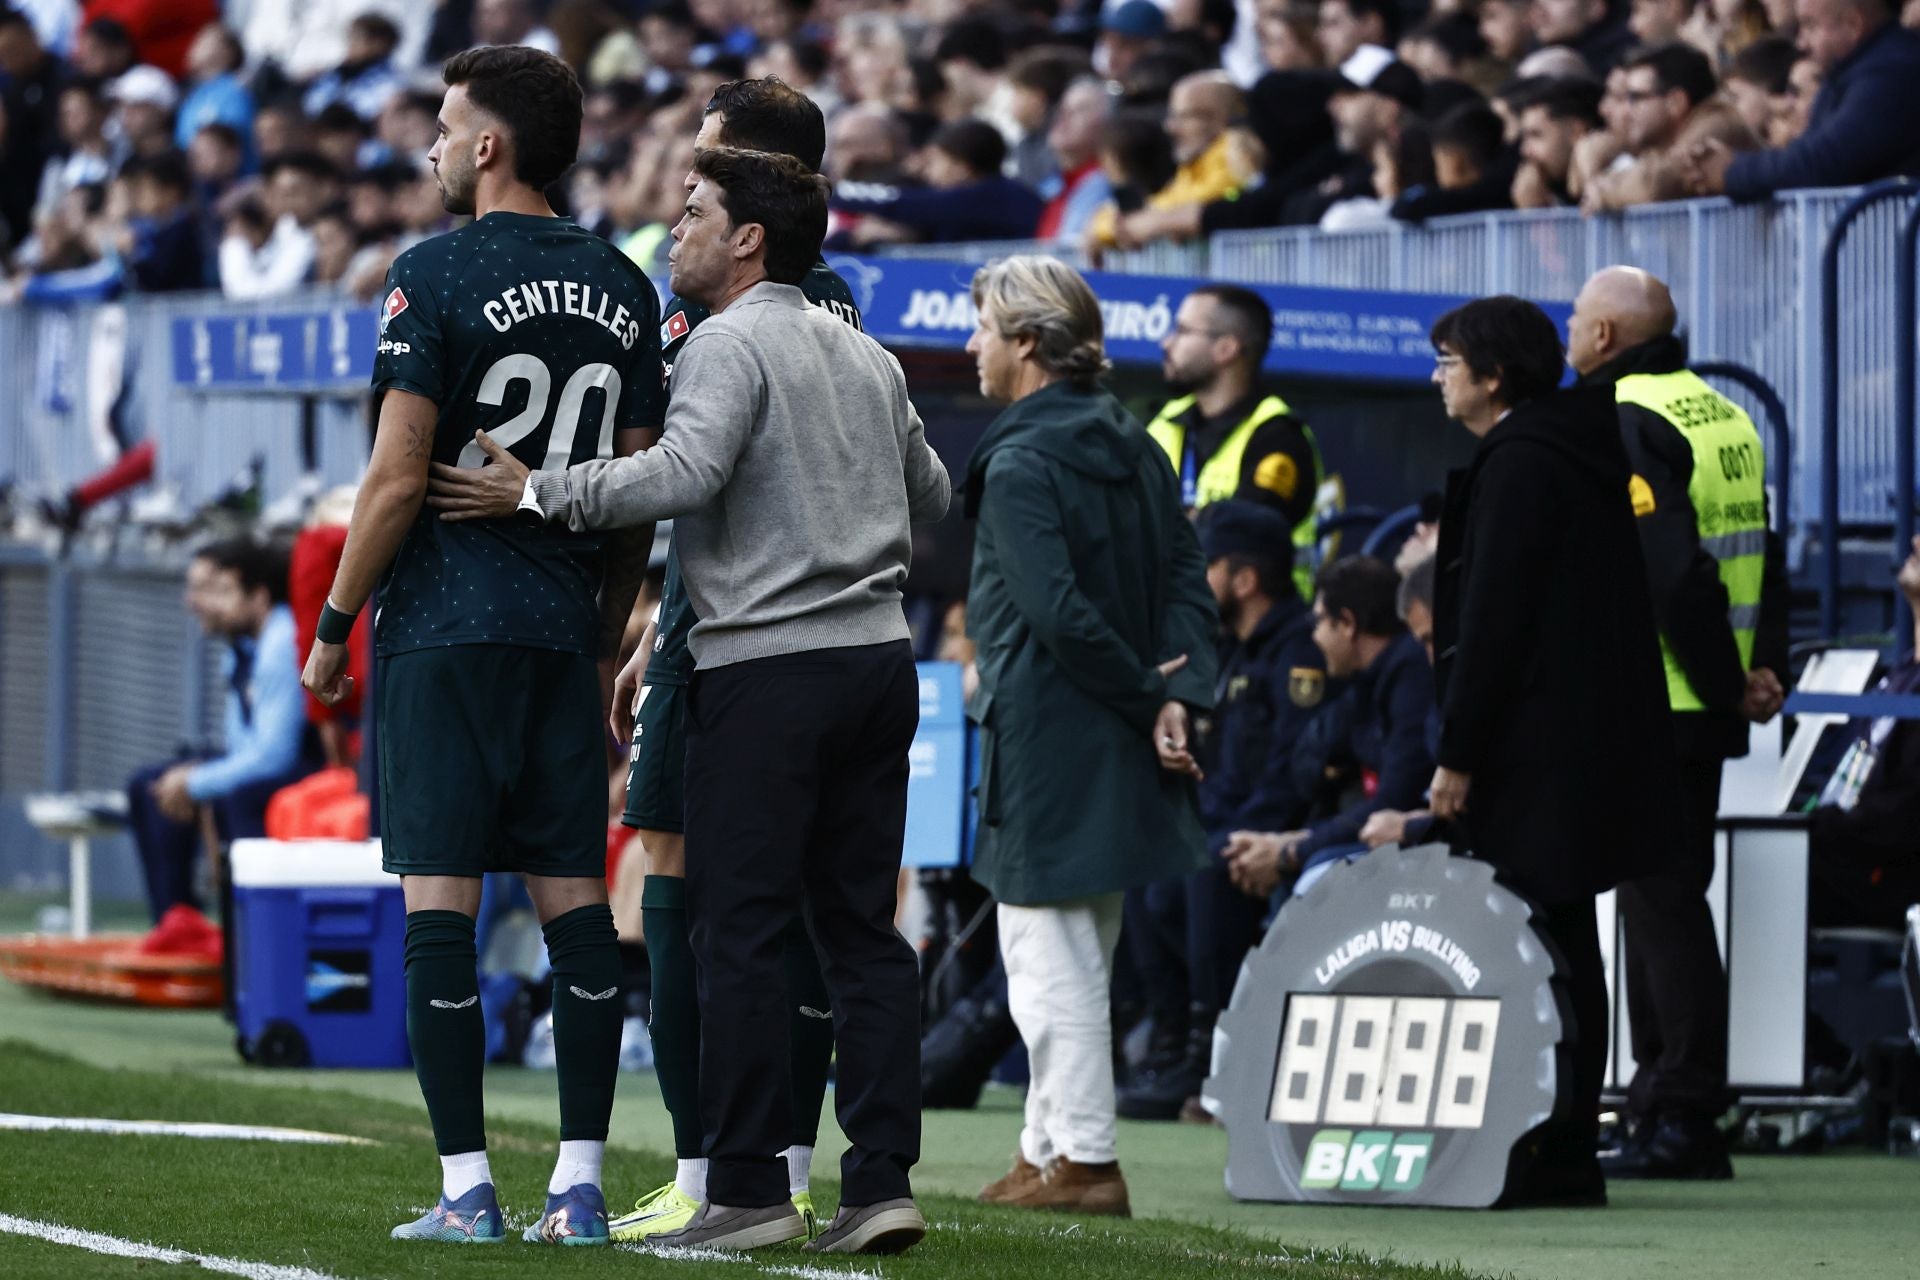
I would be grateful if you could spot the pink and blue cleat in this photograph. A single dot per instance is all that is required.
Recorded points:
(472, 1219)
(577, 1215)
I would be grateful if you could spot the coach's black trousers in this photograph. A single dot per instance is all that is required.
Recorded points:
(1676, 984)
(797, 798)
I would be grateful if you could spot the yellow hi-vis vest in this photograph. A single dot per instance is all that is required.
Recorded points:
(1218, 477)
(1728, 492)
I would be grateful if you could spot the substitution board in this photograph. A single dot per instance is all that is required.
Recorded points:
(1391, 1039)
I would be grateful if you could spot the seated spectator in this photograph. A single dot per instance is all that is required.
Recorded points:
(368, 79)
(866, 142)
(1555, 62)
(1507, 27)
(1552, 122)
(972, 56)
(1386, 713)
(1793, 110)
(1037, 80)
(263, 261)
(1349, 27)
(1658, 22)
(345, 139)
(238, 592)
(1399, 164)
(966, 197)
(83, 134)
(410, 125)
(1289, 36)
(336, 242)
(805, 65)
(1757, 80)
(1212, 159)
(162, 242)
(218, 96)
(1860, 128)
(1671, 108)
(1365, 113)
(1136, 156)
(1079, 186)
(1865, 868)
(512, 22)
(1447, 46)
(1722, 29)
(280, 129)
(1415, 601)
(72, 257)
(1588, 27)
(1472, 168)
(103, 50)
(143, 101)
(30, 82)
(1127, 31)
(216, 157)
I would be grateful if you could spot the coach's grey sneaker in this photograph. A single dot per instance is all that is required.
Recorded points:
(892, 1226)
(719, 1226)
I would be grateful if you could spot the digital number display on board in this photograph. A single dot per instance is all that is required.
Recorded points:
(1390, 1040)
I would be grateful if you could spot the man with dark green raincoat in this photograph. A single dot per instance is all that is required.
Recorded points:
(1093, 620)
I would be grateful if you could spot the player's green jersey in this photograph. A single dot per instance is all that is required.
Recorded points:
(546, 337)
(672, 660)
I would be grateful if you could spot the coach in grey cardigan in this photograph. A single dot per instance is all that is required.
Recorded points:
(794, 465)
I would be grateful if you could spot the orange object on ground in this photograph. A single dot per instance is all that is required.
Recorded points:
(183, 931)
(111, 967)
(321, 806)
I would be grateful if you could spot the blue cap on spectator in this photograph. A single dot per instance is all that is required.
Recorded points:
(1240, 528)
(1141, 19)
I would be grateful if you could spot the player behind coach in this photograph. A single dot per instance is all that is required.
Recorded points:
(795, 466)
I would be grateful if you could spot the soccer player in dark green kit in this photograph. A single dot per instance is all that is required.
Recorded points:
(496, 639)
(761, 115)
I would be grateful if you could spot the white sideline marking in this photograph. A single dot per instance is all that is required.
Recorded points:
(163, 1128)
(814, 1273)
(95, 1242)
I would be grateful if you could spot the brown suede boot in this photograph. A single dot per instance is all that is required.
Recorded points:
(1080, 1188)
(1017, 1182)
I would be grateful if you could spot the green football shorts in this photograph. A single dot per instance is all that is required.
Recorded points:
(657, 761)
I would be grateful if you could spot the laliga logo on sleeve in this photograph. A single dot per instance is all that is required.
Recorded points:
(396, 303)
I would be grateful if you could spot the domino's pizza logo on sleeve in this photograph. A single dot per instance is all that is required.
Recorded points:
(674, 328)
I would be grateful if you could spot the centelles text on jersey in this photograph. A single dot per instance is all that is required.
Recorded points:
(562, 297)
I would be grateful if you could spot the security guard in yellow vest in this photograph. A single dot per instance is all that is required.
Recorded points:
(1698, 492)
(1222, 436)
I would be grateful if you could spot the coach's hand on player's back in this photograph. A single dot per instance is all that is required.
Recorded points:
(490, 492)
(326, 675)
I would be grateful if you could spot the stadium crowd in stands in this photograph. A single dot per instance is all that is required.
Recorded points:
(259, 146)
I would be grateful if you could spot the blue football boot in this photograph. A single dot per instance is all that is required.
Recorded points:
(576, 1216)
(472, 1219)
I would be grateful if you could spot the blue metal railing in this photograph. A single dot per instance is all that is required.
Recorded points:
(1878, 193)
(1906, 413)
(1780, 447)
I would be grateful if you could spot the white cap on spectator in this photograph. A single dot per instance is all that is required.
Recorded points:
(145, 84)
(1364, 63)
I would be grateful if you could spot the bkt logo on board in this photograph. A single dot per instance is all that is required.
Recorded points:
(1372, 1160)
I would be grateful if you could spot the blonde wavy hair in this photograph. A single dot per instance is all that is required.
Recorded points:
(1044, 299)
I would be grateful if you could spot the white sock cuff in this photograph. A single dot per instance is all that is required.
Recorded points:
(691, 1177)
(462, 1173)
(799, 1168)
(579, 1163)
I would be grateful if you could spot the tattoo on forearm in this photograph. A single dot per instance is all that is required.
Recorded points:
(419, 439)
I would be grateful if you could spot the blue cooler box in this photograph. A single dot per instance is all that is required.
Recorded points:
(318, 939)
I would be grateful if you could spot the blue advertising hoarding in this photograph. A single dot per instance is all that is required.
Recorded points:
(937, 781)
(1364, 334)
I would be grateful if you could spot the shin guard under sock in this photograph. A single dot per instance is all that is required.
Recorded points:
(444, 1026)
(675, 1015)
(587, 1017)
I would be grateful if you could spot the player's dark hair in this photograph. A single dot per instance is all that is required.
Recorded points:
(260, 566)
(786, 198)
(1507, 337)
(535, 95)
(975, 144)
(1365, 587)
(1676, 65)
(768, 114)
(1247, 315)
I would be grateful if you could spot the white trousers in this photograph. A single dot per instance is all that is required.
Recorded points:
(1059, 962)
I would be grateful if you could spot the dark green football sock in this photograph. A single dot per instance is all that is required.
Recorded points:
(587, 1015)
(675, 1021)
(810, 1018)
(445, 1028)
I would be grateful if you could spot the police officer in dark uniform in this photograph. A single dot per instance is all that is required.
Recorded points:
(1189, 936)
(1699, 502)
